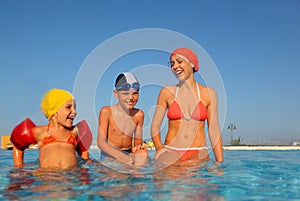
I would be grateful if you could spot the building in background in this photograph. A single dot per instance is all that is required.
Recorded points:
(5, 142)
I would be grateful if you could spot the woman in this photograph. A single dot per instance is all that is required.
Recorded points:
(188, 105)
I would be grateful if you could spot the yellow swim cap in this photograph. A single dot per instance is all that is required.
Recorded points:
(53, 100)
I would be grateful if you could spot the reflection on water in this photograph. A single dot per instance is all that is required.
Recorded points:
(41, 185)
(107, 179)
(244, 175)
(186, 181)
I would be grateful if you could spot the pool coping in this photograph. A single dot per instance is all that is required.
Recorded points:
(267, 147)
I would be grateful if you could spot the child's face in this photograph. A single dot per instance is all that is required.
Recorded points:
(128, 99)
(67, 113)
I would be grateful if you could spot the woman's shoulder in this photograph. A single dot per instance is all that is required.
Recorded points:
(168, 90)
(166, 94)
(206, 89)
(169, 87)
(207, 93)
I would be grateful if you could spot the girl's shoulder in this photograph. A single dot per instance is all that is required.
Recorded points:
(39, 132)
(39, 129)
(74, 130)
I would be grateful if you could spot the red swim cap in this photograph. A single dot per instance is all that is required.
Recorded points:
(189, 54)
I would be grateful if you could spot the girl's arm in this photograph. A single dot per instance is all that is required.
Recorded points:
(18, 156)
(84, 155)
(22, 136)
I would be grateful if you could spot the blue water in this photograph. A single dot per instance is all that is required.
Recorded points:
(245, 175)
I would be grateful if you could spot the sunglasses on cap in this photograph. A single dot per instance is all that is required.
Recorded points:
(127, 86)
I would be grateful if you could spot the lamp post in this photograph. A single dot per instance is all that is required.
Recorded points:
(231, 127)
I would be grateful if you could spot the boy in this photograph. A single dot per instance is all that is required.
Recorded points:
(119, 123)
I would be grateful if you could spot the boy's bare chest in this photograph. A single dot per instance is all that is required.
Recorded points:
(123, 125)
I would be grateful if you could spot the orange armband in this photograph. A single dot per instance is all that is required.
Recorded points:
(22, 135)
(85, 137)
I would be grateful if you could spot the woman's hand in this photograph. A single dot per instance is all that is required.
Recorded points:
(160, 152)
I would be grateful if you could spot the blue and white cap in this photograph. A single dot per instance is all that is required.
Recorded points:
(126, 81)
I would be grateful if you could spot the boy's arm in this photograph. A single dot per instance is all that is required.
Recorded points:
(103, 125)
(18, 156)
(138, 136)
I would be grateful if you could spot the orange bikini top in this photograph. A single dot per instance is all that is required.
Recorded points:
(199, 113)
(51, 139)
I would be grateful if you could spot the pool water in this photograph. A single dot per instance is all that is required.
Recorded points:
(245, 175)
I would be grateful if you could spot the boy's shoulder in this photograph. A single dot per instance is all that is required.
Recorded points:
(105, 112)
(138, 113)
(106, 109)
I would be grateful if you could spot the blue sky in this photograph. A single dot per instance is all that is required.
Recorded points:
(253, 44)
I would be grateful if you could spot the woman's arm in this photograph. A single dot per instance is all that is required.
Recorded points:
(158, 116)
(213, 126)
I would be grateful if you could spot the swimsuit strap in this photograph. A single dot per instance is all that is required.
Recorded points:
(198, 91)
(187, 149)
(51, 139)
(176, 92)
(51, 135)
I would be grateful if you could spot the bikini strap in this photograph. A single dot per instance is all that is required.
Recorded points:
(198, 91)
(176, 92)
(68, 130)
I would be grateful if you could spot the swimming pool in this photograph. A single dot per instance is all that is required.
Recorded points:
(245, 175)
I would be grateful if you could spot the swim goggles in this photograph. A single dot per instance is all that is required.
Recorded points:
(127, 86)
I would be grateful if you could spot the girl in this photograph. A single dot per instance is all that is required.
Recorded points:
(57, 141)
